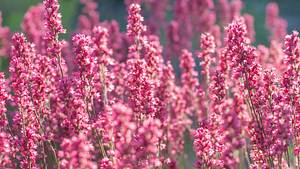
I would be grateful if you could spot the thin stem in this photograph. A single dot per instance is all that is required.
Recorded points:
(41, 129)
(58, 56)
(44, 157)
(60, 66)
(88, 99)
(102, 78)
(24, 130)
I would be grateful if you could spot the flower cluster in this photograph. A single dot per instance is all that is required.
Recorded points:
(109, 99)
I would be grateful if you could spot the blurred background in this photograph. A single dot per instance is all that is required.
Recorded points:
(13, 12)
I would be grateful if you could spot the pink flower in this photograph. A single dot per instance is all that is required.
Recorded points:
(173, 39)
(205, 146)
(207, 45)
(6, 146)
(276, 25)
(189, 79)
(4, 38)
(127, 102)
(249, 21)
(84, 56)
(103, 55)
(76, 153)
(223, 8)
(3, 97)
(135, 31)
(54, 27)
(157, 19)
(21, 68)
(103, 52)
(291, 79)
(130, 2)
(235, 9)
(34, 27)
(135, 27)
(89, 17)
(53, 18)
(141, 89)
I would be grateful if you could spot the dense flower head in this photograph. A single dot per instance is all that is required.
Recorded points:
(33, 26)
(153, 55)
(5, 139)
(22, 55)
(291, 74)
(189, 75)
(138, 98)
(275, 24)
(142, 98)
(217, 89)
(207, 45)
(242, 55)
(249, 21)
(89, 17)
(53, 17)
(232, 124)
(173, 39)
(76, 153)
(292, 52)
(21, 69)
(236, 6)
(290, 79)
(4, 36)
(223, 7)
(84, 56)
(3, 97)
(135, 27)
(76, 116)
(272, 14)
(205, 145)
(53, 25)
(6, 151)
(236, 34)
(189, 79)
(100, 38)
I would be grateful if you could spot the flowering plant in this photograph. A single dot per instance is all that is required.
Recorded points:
(114, 100)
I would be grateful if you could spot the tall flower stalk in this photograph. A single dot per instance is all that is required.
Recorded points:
(136, 99)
